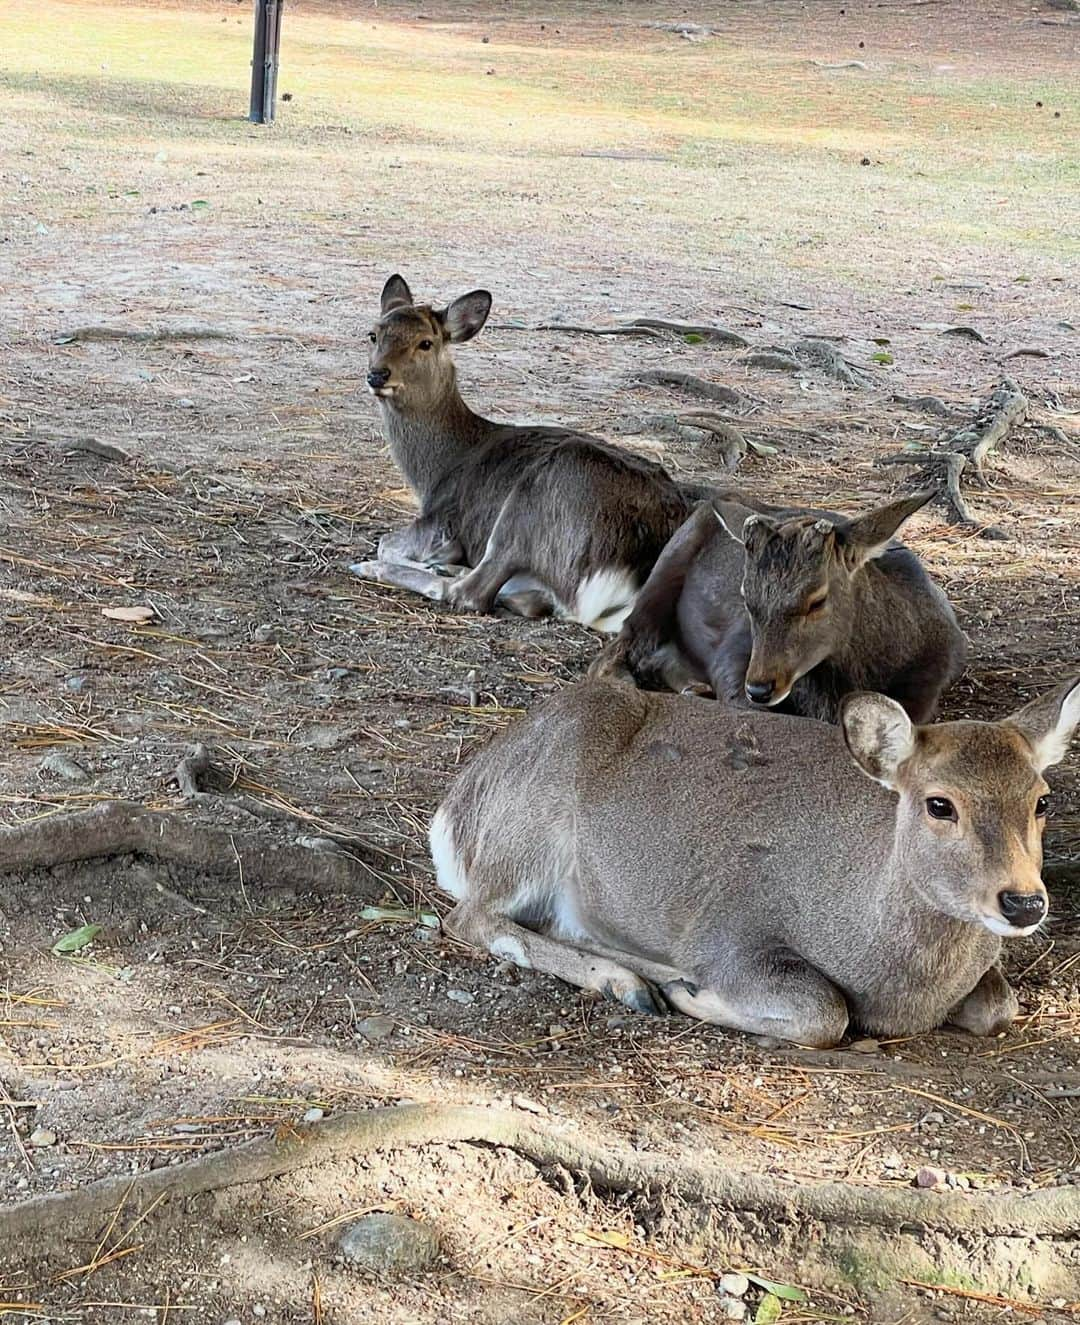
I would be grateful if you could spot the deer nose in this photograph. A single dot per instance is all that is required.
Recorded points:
(1022, 909)
(759, 692)
(378, 377)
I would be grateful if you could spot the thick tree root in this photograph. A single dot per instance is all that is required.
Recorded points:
(695, 386)
(946, 464)
(610, 1167)
(120, 828)
(655, 326)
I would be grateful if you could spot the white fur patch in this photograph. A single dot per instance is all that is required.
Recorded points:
(1052, 747)
(510, 950)
(604, 599)
(451, 877)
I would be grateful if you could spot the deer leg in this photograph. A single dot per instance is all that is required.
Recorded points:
(773, 994)
(504, 938)
(989, 1009)
(425, 542)
(403, 575)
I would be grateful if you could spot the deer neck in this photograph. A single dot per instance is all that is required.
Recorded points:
(428, 444)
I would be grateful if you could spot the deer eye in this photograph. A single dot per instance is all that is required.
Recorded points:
(938, 807)
(426, 344)
(372, 337)
(1041, 807)
(816, 605)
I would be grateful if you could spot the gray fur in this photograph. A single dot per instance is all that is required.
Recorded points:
(732, 616)
(550, 504)
(747, 866)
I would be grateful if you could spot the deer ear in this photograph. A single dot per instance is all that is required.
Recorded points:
(1048, 723)
(465, 316)
(869, 535)
(733, 517)
(395, 294)
(878, 734)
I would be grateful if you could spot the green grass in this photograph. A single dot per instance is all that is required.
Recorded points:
(120, 108)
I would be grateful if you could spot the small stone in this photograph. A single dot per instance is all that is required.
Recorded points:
(62, 766)
(892, 1161)
(389, 1244)
(376, 1028)
(864, 1046)
(76, 684)
(314, 1116)
(734, 1284)
(460, 996)
(928, 1177)
(41, 1136)
(734, 1308)
(258, 1310)
(186, 403)
(265, 634)
(530, 1106)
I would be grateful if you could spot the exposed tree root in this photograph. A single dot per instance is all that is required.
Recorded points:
(152, 334)
(609, 1167)
(654, 326)
(947, 463)
(119, 828)
(931, 404)
(695, 386)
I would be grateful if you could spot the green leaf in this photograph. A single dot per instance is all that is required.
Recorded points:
(200, 202)
(769, 1310)
(787, 1291)
(692, 338)
(76, 940)
(881, 340)
(882, 356)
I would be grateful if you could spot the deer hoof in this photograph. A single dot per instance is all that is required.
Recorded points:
(639, 998)
(368, 570)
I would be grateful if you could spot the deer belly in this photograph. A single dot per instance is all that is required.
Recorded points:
(604, 599)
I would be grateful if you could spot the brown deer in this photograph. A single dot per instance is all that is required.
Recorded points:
(792, 609)
(543, 518)
(768, 873)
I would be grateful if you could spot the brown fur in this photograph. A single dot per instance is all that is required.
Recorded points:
(772, 874)
(812, 608)
(522, 515)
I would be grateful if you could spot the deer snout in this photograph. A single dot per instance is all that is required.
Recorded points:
(760, 692)
(377, 378)
(1022, 910)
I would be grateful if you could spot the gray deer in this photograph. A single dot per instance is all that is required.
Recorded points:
(536, 519)
(773, 874)
(792, 609)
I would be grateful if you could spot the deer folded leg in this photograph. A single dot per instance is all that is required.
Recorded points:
(770, 994)
(400, 575)
(989, 1009)
(524, 947)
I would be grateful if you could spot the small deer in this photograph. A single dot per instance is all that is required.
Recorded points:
(772, 874)
(536, 519)
(792, 609)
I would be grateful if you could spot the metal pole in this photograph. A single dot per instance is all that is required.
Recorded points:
(264, 59)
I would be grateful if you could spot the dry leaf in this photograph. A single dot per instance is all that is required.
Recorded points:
(138, 616)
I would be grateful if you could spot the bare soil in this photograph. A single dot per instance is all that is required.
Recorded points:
(252, 473)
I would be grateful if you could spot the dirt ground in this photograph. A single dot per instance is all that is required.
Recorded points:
(863, 173)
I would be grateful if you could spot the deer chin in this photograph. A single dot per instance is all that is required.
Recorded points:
(997, 924)
(383, 392)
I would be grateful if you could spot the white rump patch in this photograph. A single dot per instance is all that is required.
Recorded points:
(604, 599)
(451, 877)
